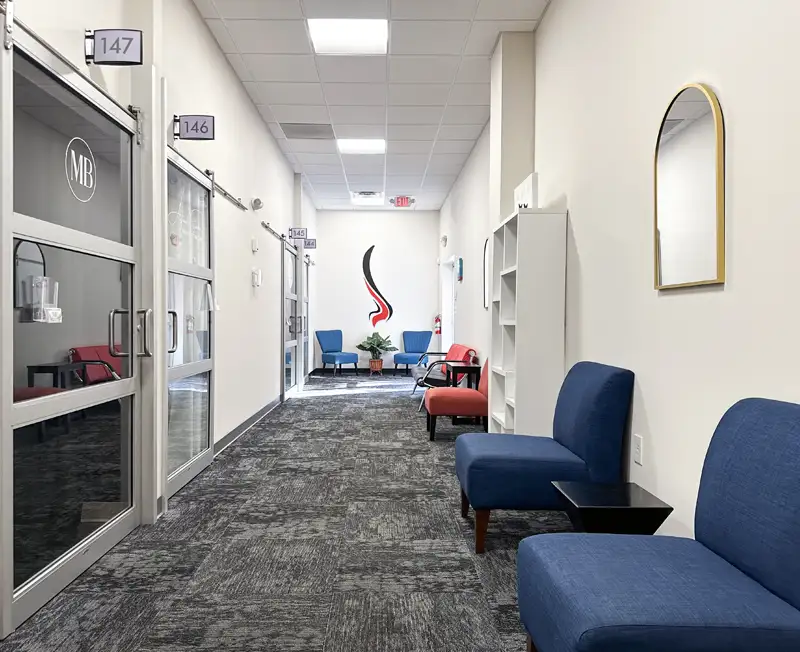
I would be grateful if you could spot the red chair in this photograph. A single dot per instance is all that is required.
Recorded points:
(101, 366)
(459, 402)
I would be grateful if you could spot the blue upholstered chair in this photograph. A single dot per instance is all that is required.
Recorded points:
(415, 345)
(331, 344)
(736, 588)
(516, 471)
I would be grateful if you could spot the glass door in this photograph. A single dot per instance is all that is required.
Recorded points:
(189, 442)
(73, 331)
(292, 320)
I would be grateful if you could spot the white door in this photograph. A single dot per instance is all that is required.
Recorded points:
(74, 334)
(448, 282)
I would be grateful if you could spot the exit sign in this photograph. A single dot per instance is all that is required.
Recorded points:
(402, 201)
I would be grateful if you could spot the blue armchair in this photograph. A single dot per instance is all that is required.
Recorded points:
(331, 344)
(415, 345)
(516, 471)
(735, 588)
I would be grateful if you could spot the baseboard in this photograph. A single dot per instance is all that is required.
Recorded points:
(345, 371)
(242, 428)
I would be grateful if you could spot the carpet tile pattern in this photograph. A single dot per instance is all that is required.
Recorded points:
(333, 525)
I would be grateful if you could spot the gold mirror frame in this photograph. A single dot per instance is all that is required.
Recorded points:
(719, 133)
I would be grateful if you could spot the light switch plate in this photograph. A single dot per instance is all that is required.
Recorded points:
(638, 444)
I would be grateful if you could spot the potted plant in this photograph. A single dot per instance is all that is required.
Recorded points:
(376, 345)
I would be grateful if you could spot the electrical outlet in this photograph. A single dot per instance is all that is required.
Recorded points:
(638, 444)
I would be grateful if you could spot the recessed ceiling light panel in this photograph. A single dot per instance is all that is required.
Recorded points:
(361, 145)
(349, 36)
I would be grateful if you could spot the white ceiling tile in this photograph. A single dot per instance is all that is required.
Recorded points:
(300, 145)
(323, 179)
(301, 113)
(434, 9)
(288, 93)
(470, 94)
(466, 115)
(400, 183)
(439, 182)
(475, 70)
(352, 69)
(362, 180)
(430, 201)
(453, 146)
(349, 94)
(363, 163)
(317, 159)
(418, 94)
(423, 69)
(266, 113)
(415, 115)
(264, 9)
(360, 131)
(224, 39)
(252, 91)
(406, 164)
(332, 191)
(345, 8)
(446, 163)
(276, 130)
(237, 63)
(269, 36)
(412, 132)
(364, 115)
(409, 147)
(428, 37)
(281, 67)
(206, 8)
(460, 132)
(511, 9)
(483, 37)
(323, 170)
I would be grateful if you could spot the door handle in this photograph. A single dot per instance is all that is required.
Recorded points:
(112, 336)
(174, 316)
(146, 344)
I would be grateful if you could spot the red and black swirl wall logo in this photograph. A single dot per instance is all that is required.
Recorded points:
(383, 309)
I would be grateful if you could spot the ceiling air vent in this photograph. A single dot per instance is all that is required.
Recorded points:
(307, 131)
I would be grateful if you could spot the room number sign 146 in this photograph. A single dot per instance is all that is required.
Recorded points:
(196, 127)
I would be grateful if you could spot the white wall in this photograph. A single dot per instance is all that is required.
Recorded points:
(687, 204)
(248, 163)
(403, 266)
(606, 72)
(466, 220)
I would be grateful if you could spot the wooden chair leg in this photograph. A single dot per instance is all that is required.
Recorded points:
(432, 429)
(531, 646)
(355, 364)
(408, 372)
(481, 526)
(464, 504)
(485, 423)
(394, 372)
(323, 368)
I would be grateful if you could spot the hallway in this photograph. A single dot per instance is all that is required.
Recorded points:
(331, 525)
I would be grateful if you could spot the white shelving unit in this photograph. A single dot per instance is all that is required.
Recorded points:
(529, 259)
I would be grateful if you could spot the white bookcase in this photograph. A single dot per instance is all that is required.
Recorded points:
(529, 258)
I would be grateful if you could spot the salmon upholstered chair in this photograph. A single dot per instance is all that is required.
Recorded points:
(459, 402)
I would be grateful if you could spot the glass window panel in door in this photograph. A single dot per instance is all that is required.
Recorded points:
(305, 357)
(72, 165)
(187, 218)
(51, 356)
(291, 323)
(188, 305)
(290, 266)
(187, 433)
(72, 475)
(290, 368)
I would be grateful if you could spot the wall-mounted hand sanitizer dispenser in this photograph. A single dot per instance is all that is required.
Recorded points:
(41, 300)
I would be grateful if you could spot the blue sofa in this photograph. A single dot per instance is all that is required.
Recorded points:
(415, 345)
(516, 471)
(331, 344)
(736, 588)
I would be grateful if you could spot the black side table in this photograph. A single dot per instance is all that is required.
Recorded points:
(454, 369)
(59, 370)
(623, 508)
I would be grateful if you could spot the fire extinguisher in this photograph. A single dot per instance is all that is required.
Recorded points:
(437, 325)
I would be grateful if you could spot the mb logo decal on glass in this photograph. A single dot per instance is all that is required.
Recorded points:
(81, 170)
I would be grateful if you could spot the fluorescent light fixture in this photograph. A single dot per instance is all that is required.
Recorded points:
(378, 199)
(361, 145)
(349, 36)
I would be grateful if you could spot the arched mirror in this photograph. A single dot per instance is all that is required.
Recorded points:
(28, 261)
(690, 192)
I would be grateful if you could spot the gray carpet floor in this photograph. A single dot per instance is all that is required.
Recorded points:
(333, 525)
